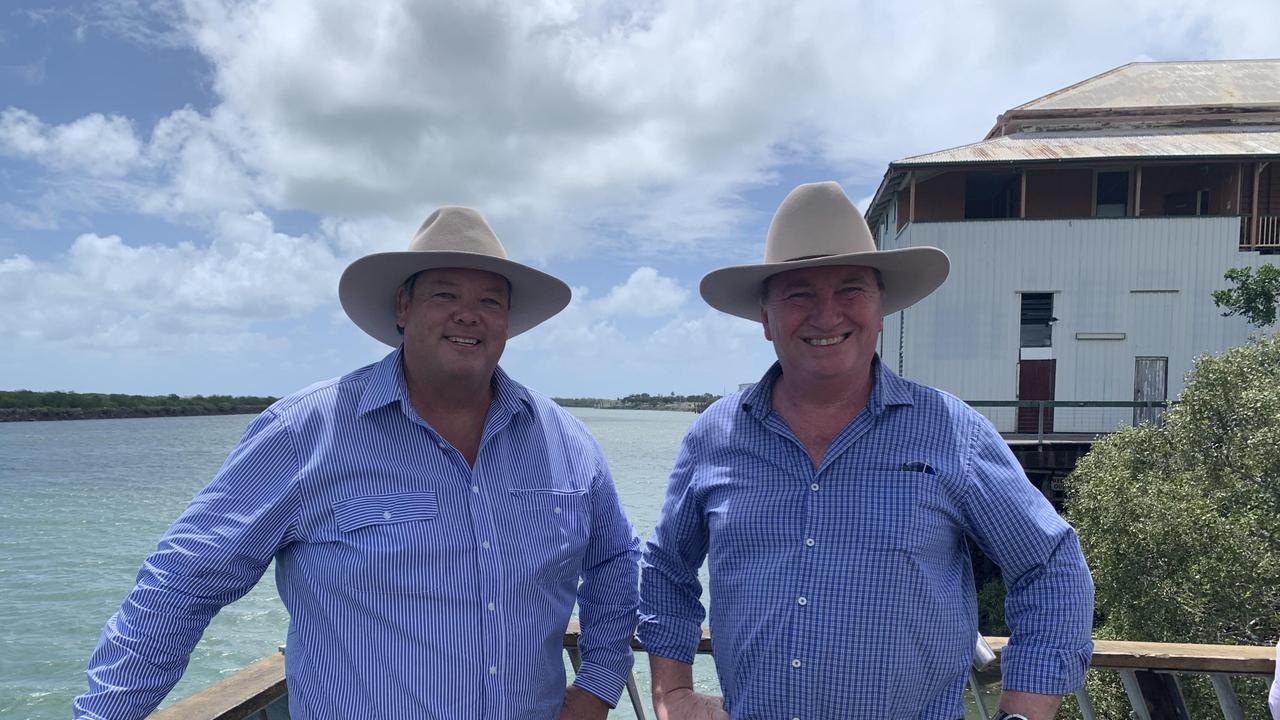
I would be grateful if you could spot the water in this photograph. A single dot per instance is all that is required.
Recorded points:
(83, 502)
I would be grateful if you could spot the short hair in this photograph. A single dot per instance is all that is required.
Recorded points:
(764, 284)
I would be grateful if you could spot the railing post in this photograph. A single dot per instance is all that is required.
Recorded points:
(1040, 423)
(1085, 704)
(976, 689)
(1137, 702)
(1227, 697)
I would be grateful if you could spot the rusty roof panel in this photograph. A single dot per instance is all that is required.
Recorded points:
(1106, 144)
(1170, 84)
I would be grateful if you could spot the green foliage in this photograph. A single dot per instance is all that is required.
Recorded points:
(29, 405)
(1254, 296)
(1181, 523)
(991, 608)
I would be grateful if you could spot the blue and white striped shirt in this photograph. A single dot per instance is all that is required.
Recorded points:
(417, 586)
(846, 591)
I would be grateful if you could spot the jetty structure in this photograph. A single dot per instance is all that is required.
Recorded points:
(1087, 231)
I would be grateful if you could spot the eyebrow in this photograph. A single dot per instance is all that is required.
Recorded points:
(495, 288)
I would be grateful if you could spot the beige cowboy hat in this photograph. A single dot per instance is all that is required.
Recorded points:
(453, 237)
(816, 225)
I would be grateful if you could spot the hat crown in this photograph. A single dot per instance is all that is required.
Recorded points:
(457, 229)
(816, 220)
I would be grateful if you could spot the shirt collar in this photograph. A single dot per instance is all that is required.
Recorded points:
(387, 385)
(889, 390)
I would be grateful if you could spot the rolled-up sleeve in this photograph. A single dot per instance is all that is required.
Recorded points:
(1049, 600)
(214, 553)
(671, 611)
(608, 595)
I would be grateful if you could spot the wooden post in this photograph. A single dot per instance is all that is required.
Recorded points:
(1022, 197)
(1253, 230)
(1137, 193)
(911, 214)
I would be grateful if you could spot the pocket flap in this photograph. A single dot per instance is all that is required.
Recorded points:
(365, 510)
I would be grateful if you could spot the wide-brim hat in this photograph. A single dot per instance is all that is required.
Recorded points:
(815, 226)
(452, 237)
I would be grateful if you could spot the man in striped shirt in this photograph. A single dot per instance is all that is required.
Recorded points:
(832, 501)
(429, 517)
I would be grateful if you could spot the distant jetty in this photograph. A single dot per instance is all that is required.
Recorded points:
(28, 405)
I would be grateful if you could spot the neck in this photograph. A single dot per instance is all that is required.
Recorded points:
(436, 397)
(824, 395)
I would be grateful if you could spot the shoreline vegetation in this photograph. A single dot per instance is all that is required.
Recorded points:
(28, 405)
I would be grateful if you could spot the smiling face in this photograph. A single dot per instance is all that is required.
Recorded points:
(823, 321)
(455, 325)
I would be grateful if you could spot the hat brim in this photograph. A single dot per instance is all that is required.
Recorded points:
(368, 289)
(909, 274)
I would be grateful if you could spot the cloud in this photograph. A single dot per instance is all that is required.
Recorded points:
(96, 144)
(644, 294)
(104, 293)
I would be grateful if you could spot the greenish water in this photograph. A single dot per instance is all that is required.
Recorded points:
(83, 502)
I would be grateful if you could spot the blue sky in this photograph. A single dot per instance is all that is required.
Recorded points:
(182, 182)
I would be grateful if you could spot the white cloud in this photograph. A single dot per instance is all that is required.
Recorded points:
(96, 144)
(105, 293)
(644, 294)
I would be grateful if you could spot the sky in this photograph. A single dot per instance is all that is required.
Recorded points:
(182, 182)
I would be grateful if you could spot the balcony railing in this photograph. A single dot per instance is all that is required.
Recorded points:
(1268, 232)
(1149, 672)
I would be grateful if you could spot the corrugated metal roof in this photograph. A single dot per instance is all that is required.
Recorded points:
(1105, 144)
(1170, 84)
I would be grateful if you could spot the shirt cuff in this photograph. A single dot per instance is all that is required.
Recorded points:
(670, 638)
(601, 682)
(1046, 671)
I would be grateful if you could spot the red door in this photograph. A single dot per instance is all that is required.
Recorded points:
(1035, 382)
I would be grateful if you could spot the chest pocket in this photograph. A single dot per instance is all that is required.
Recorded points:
(555, 525)
(381, 535)
(887, 509)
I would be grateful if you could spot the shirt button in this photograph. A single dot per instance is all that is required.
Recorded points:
(795, 663)
(809, 542)
(557, 511)
(386, 515)
(492, 606)
(493, 669)
(802, 600)
(475, 488)
(815, 487)
(485, 544)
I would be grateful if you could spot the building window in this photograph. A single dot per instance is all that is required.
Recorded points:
(1037, 320)
(992, 195)
(1112, 194)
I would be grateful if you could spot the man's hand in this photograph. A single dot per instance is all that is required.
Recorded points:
(673, 695)
(582, 705)
(685, 704)
(1033, 705)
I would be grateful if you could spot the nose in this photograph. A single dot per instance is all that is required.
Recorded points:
(465, 314)
(826, 311)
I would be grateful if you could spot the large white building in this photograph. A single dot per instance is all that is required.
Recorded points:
(1087, 232)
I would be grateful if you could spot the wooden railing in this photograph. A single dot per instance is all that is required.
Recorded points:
(1268, 232)
(258, 692)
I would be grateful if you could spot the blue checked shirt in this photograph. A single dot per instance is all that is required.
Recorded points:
(417, 586)
(845, 591)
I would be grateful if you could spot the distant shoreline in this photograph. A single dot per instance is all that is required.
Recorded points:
(114, 413)
(31, 406)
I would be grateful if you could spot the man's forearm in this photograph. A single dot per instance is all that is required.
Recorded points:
(1034, 705)
(667, 675)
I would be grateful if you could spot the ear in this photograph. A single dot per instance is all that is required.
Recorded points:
(764, 320)
(402, 306)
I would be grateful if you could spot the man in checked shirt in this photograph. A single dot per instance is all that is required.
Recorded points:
(429, 518)
(832, 501)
